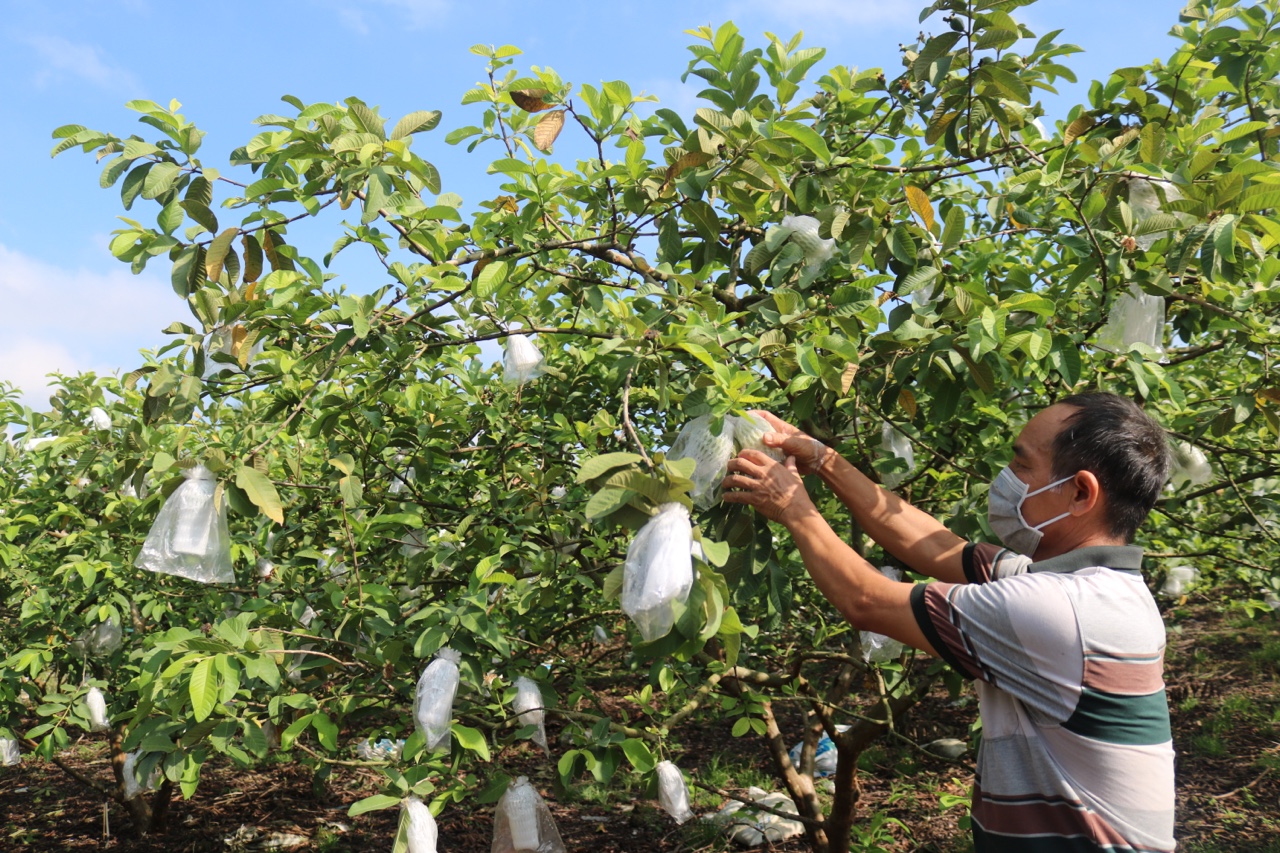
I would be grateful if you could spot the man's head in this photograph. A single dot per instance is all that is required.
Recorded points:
(1125, 449)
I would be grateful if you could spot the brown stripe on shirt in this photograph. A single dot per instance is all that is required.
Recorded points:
(938, 602)
(1056, 816)
(1123, 678)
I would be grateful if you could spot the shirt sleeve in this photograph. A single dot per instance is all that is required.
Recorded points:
(984, 562)
(1018, 634)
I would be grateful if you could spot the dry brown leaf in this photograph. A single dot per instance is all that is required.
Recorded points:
(907, 401)
(531, 100)
(544, 135)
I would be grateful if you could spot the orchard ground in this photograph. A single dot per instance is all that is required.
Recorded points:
(1222, 674)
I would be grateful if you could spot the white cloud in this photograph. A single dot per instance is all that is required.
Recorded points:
(416, 14)
(72, 320)
(813, 16)
(60, 57)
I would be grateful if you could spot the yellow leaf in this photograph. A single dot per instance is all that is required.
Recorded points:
(544, 135)
(907, 401)
(238, 333)
(846, 378)
(918, 199)
(531, 100)
(687, 160)
(1077, 129)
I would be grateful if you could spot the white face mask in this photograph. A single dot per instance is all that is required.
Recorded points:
(1004, 512)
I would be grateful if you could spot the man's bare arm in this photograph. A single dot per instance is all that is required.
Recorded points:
(913, 536)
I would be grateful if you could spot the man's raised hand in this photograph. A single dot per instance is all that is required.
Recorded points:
(809, 453)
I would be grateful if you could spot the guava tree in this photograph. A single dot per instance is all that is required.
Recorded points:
(882, 258)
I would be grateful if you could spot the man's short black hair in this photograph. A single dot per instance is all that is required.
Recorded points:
(1123, 447)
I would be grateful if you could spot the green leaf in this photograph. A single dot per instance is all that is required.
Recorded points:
(933, 49)
(1008, 83)
(703, 217)
(372, 804)
(806, 136)
(490, 279)
(261, 491)
(160, 179)
(606, 501)
(326, 731)
(639, 754)
(471, 739)
(203, 689)
(415, 122)
(598, 465)
(352, 490)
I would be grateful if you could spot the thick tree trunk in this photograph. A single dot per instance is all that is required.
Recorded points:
(147, 811)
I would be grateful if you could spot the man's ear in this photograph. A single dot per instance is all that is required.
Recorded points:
(1087, 494)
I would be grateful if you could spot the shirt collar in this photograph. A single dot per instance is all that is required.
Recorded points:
(1121, 558)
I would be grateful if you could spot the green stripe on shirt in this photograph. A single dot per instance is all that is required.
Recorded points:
(1130, 720)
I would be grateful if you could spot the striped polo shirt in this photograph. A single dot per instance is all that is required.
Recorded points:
(1068, 657)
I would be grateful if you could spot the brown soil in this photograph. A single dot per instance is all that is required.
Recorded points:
(1223, 676)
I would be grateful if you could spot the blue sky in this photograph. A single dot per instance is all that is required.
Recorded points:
(67, 305)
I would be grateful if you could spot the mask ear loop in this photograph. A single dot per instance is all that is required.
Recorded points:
(1042, 525)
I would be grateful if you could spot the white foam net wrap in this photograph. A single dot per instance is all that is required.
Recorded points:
(711, 452)
(804, 233)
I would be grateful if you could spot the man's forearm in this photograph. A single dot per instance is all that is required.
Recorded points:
(869, 600)
(913, 536)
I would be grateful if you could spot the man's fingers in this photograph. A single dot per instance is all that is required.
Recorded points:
(739, 498)
(778, 424)
(737, 481)
(747, 465)
(791, 463)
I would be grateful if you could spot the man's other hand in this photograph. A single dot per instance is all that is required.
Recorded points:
(773, 488)
(809, 453)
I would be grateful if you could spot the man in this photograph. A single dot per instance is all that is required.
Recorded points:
(1058, 629)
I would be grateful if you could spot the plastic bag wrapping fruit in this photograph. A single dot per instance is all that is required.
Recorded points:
(1178, 580)
(658, 571)
(1144, 201)
(522, 362)
(803, 231)
(420, 830)
(1135, 318)
(522, 822)
(10, 755)
(189, 537)
(1190, 466)
(99, 419)
(896, 444)
(528, 706)
(673, 794)
(132, 787)
(433, 704)
(96, 704)
(711, 452)
(100, 641)
(877, 648)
